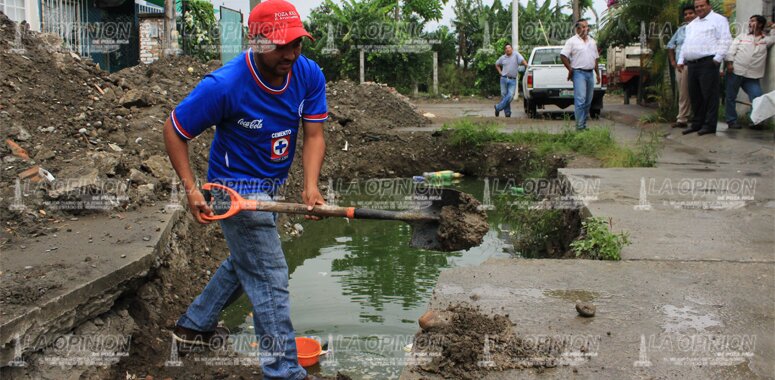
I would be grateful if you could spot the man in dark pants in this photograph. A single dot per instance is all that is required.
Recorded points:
(706, 43)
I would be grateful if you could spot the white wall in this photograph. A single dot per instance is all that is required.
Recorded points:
(33, 14)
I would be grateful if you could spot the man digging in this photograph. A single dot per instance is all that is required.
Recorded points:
(256, 101)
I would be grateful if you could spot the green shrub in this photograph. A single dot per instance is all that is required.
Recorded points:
(597, 242)
(199, 37)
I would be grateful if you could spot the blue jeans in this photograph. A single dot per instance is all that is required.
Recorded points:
(508, 89)
(257, 265)
(734, 82)
(583, 91)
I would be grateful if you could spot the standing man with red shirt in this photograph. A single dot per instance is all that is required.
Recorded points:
(257, 101)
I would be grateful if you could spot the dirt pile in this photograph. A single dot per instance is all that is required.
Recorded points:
(97, 134)
(468, 344)
(464, 225)
(371, 107)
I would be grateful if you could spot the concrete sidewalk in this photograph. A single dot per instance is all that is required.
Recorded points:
(701, 264)
(55, 283)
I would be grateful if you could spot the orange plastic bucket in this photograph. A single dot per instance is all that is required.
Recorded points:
(308, 350)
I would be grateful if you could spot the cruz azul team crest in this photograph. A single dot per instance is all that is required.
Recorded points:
(281, 144)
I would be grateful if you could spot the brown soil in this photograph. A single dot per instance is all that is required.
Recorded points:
(97, 133)
(457, 349)
(462, 226)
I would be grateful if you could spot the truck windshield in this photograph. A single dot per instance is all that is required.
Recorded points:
(547, 57)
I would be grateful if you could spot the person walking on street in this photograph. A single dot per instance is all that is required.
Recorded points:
(257, 101)
(706, 43)
(745, 65)
(681, 78)
(580, 57)
(508, 69)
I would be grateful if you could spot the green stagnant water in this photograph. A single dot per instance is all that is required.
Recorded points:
(361, 286)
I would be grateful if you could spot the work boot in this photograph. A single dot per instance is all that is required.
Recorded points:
(497, 113)
(733, 125)
(706, 132)
(678, 125)
(689, 130)
(189, 339)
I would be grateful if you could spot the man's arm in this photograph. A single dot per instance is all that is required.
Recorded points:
(671, 57)
(498, 68)
(314, 150)
(671, 46)
(770, 39)
(731, 53)
(177, 149)
(724, 40)
(566, 62)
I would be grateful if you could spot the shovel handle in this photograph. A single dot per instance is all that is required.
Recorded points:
(298, 208)
(238, 203)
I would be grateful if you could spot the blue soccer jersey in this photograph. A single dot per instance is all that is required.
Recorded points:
(256, 124)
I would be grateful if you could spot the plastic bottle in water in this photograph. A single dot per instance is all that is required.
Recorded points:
(517, 190)
(442, 175)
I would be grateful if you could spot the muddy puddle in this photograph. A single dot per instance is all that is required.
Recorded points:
(360, 286)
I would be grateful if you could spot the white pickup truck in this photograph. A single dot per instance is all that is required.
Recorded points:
(546, 82)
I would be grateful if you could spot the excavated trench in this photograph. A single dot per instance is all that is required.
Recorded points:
(107, 128)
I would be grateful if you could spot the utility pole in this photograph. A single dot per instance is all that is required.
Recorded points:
(515, 24)
(640, 70)
(170, 32)
(435, 73)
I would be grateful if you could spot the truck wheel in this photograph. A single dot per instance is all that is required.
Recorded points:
(532, 109)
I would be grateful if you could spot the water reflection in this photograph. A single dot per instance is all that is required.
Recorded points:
(361, 278)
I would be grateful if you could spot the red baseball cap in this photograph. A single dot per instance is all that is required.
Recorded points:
(278, 21)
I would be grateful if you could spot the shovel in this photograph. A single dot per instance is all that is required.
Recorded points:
(424, 221)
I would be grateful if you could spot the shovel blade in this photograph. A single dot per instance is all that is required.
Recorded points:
(425, 235)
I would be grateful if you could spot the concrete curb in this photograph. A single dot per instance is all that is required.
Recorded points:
(95, 291)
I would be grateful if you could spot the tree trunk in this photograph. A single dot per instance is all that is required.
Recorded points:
(576, 12)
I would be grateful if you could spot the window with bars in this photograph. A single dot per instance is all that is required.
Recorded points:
(14, 9)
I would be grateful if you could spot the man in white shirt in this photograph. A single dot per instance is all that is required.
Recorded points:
(706, 43)
(580, 57)
(745, 65)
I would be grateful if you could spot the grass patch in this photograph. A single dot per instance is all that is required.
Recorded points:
(595, 142)
(652, 118)
(597, 242)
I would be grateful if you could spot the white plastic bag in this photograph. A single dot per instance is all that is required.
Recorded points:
(763, 107)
